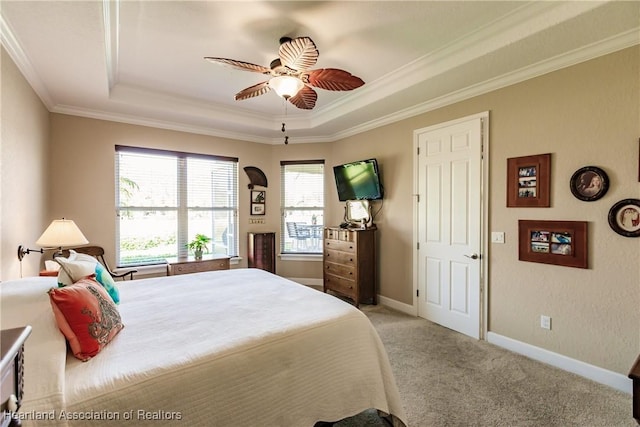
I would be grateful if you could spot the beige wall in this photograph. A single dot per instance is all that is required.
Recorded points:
(584, 115)
(24, 170)
(83, 152)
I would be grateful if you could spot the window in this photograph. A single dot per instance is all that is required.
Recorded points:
(165, 198)
(302, 206)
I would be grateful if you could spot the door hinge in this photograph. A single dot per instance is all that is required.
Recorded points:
(418, 245)
(418, 292)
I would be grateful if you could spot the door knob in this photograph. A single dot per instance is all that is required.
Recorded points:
(473, 256)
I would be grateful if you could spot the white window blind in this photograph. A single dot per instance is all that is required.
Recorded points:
(302, 206)
(165, 198)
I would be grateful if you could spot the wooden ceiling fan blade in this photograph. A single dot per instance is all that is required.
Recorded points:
(239, 65)
(298, 54)
(305, 99)
(253, 91)
(332, 79)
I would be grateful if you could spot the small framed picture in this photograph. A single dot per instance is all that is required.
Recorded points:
(258, 200)
(624, 217)
(589, 183)
(528, 181)
(553, 242)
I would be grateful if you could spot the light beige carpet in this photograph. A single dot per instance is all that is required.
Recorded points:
(449, 379)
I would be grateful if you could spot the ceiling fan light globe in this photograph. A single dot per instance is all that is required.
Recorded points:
(286, 86)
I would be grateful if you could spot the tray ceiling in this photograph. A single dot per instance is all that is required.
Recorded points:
(142, 61)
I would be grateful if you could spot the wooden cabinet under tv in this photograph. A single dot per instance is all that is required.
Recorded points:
(349, 263)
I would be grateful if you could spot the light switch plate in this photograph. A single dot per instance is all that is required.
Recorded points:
(497, 237)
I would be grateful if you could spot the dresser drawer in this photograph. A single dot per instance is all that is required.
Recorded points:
(219, 264)
(340, 245)
(339, 257)
(184, 268)
(349, 263)
(341, 270)
(341, 285)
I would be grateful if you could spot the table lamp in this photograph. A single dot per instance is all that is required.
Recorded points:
(60, 233)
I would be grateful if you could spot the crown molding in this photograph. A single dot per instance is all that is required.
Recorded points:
(521, 23)
(14, 49)
(160, 124)
(595, 50)
(613, 44)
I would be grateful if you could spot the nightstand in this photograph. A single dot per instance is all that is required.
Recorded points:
(12, 368)
(635, 377)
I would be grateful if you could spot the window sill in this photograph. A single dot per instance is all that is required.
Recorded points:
(301, 257)
(160, 268)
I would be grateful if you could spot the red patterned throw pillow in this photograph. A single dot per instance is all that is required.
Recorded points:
(86, 315)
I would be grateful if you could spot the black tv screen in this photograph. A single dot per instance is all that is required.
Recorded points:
(358, 180)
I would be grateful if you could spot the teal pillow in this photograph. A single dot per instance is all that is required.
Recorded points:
(104, 278)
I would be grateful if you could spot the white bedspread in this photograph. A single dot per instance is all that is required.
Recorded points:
(229, 348)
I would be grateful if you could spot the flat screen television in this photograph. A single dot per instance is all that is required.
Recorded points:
(358, 180)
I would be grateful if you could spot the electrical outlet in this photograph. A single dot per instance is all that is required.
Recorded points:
(545, 322)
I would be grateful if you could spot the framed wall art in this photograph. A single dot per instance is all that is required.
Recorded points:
(589, 183)
(258, 201)
(553, 242)
(529, 181)
(624, 217)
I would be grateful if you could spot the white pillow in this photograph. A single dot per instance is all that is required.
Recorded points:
(78, 266)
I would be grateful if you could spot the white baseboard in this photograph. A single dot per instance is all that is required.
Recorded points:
(592, 372)
(308, 281)
(397, 305)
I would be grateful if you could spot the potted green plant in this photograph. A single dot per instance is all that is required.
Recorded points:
(198, 245)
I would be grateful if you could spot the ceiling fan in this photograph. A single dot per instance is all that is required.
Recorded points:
(291, 77)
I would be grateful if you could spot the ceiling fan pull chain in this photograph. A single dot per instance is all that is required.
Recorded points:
(286, 137)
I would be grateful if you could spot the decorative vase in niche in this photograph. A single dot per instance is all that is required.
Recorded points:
(198, 254)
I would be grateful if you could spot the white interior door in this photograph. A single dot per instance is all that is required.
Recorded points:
(449, 224)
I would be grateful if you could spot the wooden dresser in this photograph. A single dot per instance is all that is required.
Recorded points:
(191, 265)
(261, 248)
(11, 365)
(349, 263)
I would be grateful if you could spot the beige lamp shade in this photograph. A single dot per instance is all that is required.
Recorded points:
(62, 232)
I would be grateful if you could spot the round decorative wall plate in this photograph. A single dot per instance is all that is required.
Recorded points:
(624, 217)
(589, 183)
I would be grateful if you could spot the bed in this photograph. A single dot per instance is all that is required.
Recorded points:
(239, 347)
